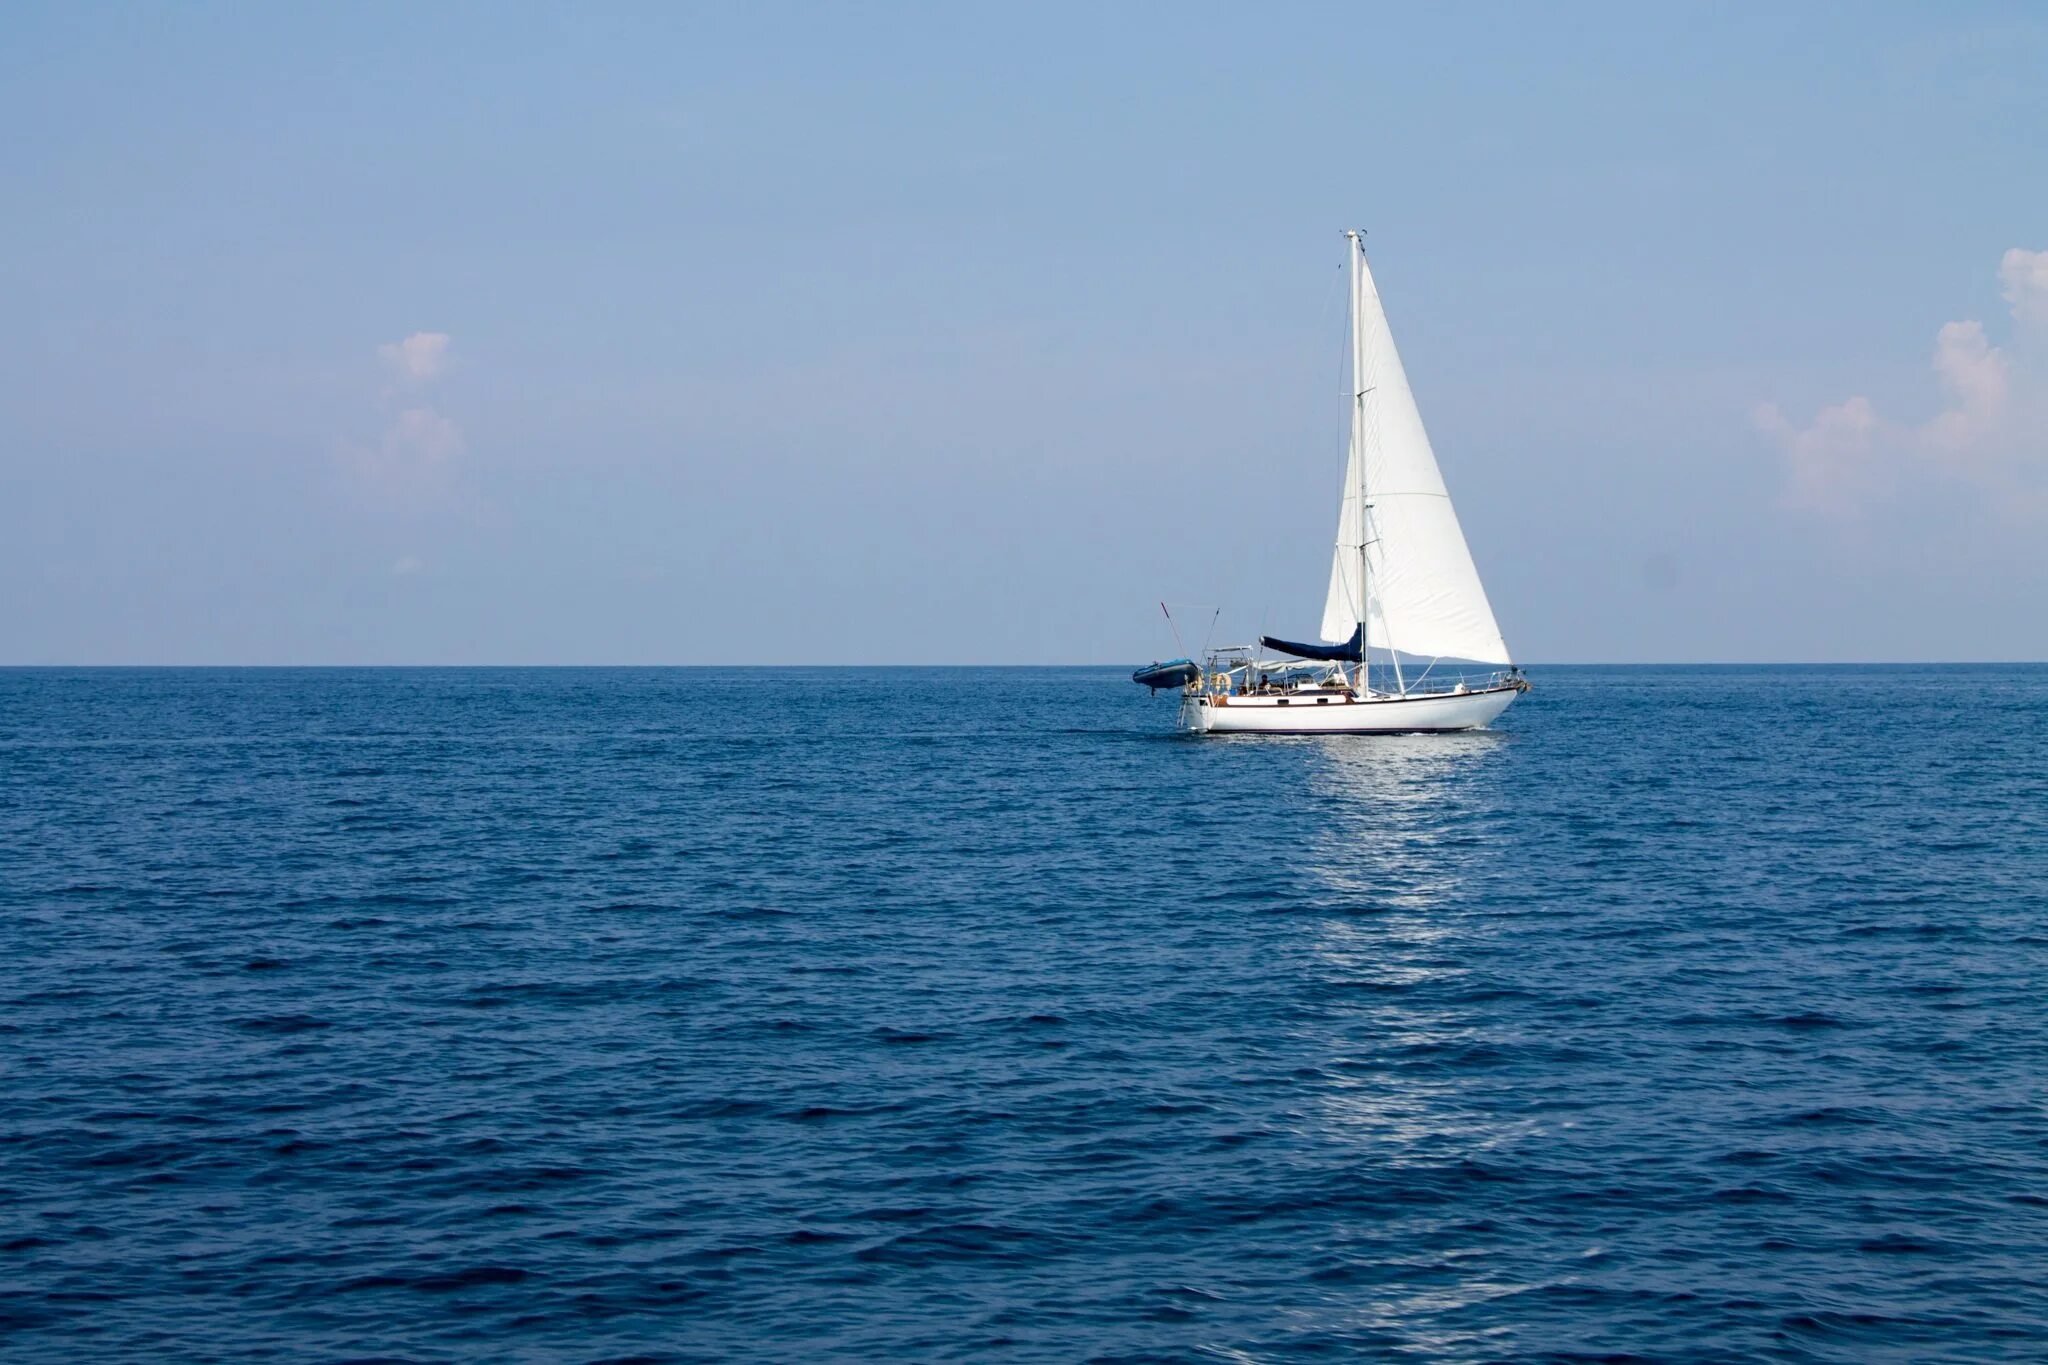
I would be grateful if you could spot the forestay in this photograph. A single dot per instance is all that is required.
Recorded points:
(1423, 593)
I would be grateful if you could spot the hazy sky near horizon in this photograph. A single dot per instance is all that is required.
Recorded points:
(776, 334)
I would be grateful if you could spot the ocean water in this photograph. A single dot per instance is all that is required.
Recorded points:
(578, 1015)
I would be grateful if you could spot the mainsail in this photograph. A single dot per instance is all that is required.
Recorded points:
(1421, 594)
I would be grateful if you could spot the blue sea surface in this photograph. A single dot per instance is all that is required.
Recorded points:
(704, 1014)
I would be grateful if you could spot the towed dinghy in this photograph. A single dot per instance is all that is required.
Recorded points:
(1172, 673)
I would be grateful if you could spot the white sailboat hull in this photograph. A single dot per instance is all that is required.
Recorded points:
(1435, 712)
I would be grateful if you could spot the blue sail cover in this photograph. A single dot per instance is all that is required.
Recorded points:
(1344, 653)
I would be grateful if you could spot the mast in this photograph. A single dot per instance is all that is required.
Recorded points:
(1358, 392)
(1360, 388)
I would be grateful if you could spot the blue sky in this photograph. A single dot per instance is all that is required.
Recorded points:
(445, 334)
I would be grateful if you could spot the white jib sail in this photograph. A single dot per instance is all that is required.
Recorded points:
(1423, 595)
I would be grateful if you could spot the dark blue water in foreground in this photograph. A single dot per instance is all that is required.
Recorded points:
(700, 1014)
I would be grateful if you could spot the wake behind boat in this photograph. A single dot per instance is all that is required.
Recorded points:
(1404, 594)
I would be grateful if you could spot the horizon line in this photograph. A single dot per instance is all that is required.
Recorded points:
(1601, 663)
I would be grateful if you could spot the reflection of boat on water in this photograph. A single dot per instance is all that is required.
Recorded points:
(1388, 810)
(1405, 597)
(1408, 834)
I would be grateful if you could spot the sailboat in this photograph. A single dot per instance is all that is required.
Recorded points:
(1406, 622)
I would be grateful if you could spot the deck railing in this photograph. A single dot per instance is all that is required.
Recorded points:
(1236, 675)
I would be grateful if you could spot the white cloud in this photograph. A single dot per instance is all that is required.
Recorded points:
(419, 358)
(1991, 433)
(2025, 276)
(407, 565)
(422, 437)
(412, 462)
(1832, 450)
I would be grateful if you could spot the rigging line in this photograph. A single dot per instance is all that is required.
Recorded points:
(1337, 310)
(1176, 631)
(1386, 623)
